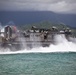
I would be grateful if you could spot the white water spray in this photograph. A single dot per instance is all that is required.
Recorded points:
(63, 45)
(34, 40)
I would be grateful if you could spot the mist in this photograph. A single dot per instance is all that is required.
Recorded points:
(61, 45)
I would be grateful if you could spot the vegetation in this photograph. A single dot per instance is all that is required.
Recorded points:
(44, 24)
(47, 24)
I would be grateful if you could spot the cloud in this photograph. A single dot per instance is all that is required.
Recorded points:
(60, 6)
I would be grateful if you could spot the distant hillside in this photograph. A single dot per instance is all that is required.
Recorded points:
(48, 25)
(43, 24)
(29, 17)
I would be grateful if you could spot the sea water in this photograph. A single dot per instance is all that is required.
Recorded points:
(38, 64)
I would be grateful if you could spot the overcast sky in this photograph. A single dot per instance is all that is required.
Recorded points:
(59, 6)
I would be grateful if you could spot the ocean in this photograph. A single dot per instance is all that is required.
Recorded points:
(38, 64)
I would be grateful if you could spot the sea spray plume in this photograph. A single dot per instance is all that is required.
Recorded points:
(60, 38)
(4, 49)
(22, 40)
(63, 45)
(73, 39)
(35, 40)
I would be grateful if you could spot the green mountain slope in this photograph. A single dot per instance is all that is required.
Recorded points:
(47, 25)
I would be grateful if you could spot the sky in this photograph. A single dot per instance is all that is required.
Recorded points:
(58, 6)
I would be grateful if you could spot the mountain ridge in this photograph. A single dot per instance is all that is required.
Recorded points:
(29, 17)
